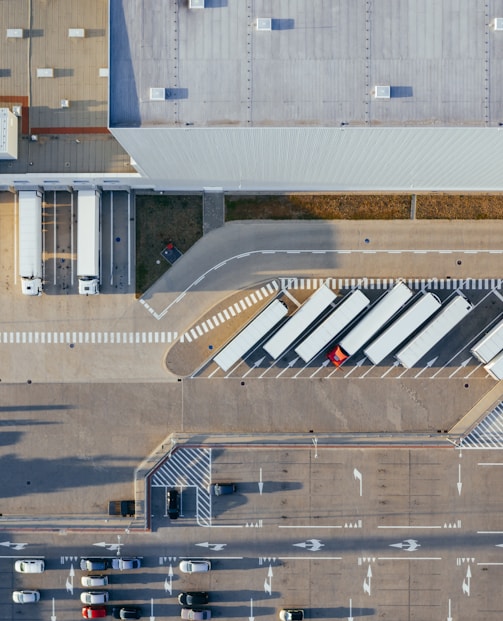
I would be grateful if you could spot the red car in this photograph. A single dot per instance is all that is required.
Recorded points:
(337, 356)
(88, 612)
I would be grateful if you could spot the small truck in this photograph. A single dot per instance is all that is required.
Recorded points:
(125, 508)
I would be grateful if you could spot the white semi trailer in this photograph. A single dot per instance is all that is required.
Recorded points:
(251, 335)
(490, 346)
(389, 304)
(299, 321)
(30, 242)
(495, 367)
(400, 330)
(352, 305)
(443, 322)
(88, 242)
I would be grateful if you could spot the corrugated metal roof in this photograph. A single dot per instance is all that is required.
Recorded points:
(338, 159)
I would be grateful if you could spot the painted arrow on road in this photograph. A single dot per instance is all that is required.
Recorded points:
(367, 583)
(109, 546)
(216, 547)
(69, 580)
(311, 544)
(168, 583)
(14, 546)
(409, 545)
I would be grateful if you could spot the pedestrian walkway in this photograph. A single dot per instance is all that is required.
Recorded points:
(91, 338)
(488, 434)
(189, 467)
(213, 209)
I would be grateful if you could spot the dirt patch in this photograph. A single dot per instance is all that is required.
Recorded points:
(319, 207)
(459, 206)
(160, 220)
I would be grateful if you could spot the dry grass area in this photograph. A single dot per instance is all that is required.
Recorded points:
(318, 207)
(459, 206)
(159, 220)
(364, 207)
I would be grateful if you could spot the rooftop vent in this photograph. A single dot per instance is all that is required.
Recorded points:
(263, 23)
(76, 33)
(498, 23)
(15, 33)
(196, 4)
(45, 72)
(382, 92)
(157, 94)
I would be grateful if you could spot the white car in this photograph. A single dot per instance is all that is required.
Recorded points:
(126, 563)
(194, 567)
(94, 581)
(94, 597)
(34, 566)
(25, 597)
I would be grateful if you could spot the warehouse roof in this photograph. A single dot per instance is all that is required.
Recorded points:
(316, 63)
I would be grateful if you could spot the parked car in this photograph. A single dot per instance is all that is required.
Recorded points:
(194, 567)
(173, 503)
(195, 614)
(94, 597)
(88, 612)
(221, 489)
(291, 614)
(193, 598)
(126, 563)
(31, 566)
(94, 564)
(25, 597)
(128, 612)
(94, 581)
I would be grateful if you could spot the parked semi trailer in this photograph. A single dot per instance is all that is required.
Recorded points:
(490, 346)
(251, 335)
(389, 304)
(402, 328)
(352, 305)
(495, 367)
(434, 332)
(299, 321)
(30, 242)
(88, 242)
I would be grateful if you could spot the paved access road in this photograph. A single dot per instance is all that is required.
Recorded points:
(408, 534)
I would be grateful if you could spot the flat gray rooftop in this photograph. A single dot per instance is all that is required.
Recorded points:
(59, 82)
(317, 66)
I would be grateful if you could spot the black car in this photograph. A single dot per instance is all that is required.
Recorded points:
(94, 564)
(193, 598)
(129, 612)
(173, 503)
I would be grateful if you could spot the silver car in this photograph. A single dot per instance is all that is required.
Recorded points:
(25, 597)
(94, 581)
(195, 614)
(31, 566)
(194, 567)
(126, 563)
(94, 597)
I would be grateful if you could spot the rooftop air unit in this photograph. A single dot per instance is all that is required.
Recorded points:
(76, 33)
(264, 23)
(382, 92)
(157, 94)
(15, 33)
